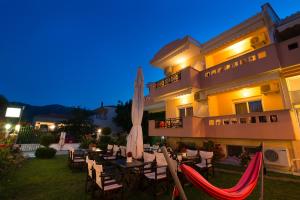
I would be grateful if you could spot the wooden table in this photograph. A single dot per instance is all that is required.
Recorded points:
(131, 171)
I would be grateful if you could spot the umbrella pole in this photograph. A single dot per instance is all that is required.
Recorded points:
(262, 174)
(173, 173)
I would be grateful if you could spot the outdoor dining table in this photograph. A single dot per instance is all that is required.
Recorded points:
(129, 171)
(94, 153)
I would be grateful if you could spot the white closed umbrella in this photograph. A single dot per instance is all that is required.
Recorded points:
(62, 139)
(135, 137)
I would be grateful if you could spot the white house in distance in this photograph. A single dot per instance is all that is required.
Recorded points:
(103, 117)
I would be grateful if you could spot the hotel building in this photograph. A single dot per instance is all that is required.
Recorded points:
(238, 89)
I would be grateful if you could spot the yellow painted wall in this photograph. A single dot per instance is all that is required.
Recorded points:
(194, 62)
(223, 104)
(173, 105)
(235, 49)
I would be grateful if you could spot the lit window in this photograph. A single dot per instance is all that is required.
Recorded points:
(262, 54)
(211, 122)
(185, 112)
(248, 107)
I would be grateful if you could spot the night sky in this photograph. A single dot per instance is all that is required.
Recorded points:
(79, 53)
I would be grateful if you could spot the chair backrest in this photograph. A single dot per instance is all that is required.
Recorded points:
(115, 150)
(90, 164)
(110, 147)
(160, 159)
(191, 153)
(123, 151)
(148, 158)
(155, 147)
(71, 153)
(206, 155)
(98, 170)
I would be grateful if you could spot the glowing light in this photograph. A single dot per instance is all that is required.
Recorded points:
(246, 93)
(52, 127)
(184, 99)
(181, 60)
(162, 137)
(239, 46)
(7, 126)
(13, 112)
(17, 127)
(99, 130)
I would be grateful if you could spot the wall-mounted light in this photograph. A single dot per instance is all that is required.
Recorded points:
(52, 127)
(246, 92)
(7, 126)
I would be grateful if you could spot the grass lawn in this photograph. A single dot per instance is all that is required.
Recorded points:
(52, 179)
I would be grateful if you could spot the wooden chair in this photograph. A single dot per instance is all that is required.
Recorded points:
(76, 160)
(157, 173)
(147, 147)
(192, 154)
(105, 183)
(114, 155)
(89, 174)
(206, 163)
(123, 151)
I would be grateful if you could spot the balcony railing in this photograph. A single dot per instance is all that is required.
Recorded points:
(244, 119)
(250, 64)
(169, 123)
(168, 80)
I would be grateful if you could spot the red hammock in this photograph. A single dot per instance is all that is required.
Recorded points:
(241, 190)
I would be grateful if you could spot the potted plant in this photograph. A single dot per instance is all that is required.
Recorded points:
(129, 157)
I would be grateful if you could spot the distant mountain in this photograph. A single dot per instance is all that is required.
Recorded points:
(31, 111)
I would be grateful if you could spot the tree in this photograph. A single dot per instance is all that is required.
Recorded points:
(79, 123)
(3, 105)
(123, 117)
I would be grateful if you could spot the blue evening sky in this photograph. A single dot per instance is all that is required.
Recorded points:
(84, 52)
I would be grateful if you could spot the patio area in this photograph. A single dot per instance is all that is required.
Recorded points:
(53, 179)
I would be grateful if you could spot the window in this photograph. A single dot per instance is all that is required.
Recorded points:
(248, 107)
(241, 108)
(185, 112)
(255, 106)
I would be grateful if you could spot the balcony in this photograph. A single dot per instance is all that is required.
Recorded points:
(176, 127)
(265, 125)
(275, 125)
(250, 64)
(186, 78)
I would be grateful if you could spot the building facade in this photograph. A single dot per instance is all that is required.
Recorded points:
(103, 117)
(238, 89)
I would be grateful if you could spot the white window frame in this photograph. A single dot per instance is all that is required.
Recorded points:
(184, 107)
(247, 100)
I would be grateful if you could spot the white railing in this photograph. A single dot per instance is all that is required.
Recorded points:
(29, 147)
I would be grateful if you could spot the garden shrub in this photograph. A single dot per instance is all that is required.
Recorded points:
(85, 142)
(10, 157)
(104, 141)
(216, 148)
(45, 152)
(47, 139)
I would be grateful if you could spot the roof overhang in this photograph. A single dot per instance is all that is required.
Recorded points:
(173, 53)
